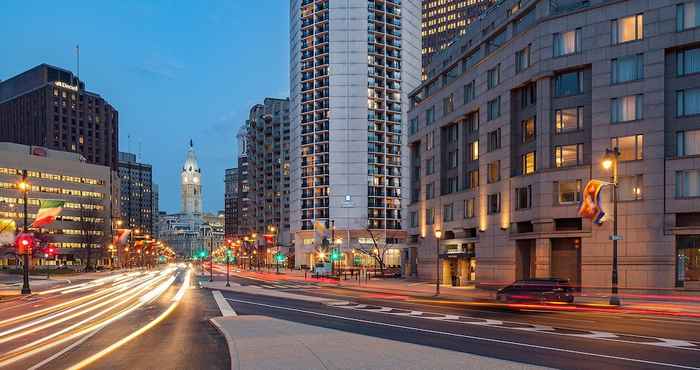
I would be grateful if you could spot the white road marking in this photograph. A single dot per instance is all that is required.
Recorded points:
(492, 340)
(224, 307)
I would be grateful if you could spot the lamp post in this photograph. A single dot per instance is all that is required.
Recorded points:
(211, 261)
(610, 161)
(228, 254)
(438, 235)
(24, 188)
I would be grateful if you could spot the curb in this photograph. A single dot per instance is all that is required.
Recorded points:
(230, 343)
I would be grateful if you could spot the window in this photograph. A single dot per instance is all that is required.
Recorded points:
(452, 133)
(687, 183)
(414, 219)
(494, 203)
(567, 42)
(472, 179)
(429, 216)
(627, 29)
(430, 115)
(688, 259)
(472, 122)
(493, 171)
(687, 15)
(567, 120)
(523, 197)
(493, 109)
(568, 191)
(687, 143)
(469, 92)
(522, 59)
(570, 83)
(528, 163)
(451, 185)
(630, 187)
(469, 210)
(474, 150)
(448, 105)
(413, 126)
(493, 76)
(452, 159)
(528, 95)
(687, 102)
(568, 155)
(630, 147)
(448, 212)
(429, 191)
(493, 141)
(688, 61)
(430, 166)
(626, 108)
(629, 68)
(430, 140)
(527, 130)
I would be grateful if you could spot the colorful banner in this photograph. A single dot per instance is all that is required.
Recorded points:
(48, 211)
(7, 231)
(121, 236)
(590, 206)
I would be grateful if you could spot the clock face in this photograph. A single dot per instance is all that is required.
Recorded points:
(196, 180)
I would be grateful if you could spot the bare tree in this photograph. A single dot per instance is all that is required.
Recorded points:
(378, 252)
(92, 232)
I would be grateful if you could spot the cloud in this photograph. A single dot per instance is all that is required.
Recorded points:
(160, 67)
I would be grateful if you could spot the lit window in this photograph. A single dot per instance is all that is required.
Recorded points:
(569, 191)
(493, 171)
(528, 163)
(568, 155)
(567, 120)
(630, 187)
(474, 150)
(469, 210)
(627, 29)
(630, 147)
(567, 42)
(527, 130)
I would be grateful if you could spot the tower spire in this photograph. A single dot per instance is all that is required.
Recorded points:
(191, 143)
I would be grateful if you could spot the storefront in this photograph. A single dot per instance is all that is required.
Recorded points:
(688, 261)
(459, 264)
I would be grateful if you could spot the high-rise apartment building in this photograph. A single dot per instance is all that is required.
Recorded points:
(445, 20)
(231, 202)
(49, 107)
(243, 213)
(136, 186)
(516, 120)
(268, 167)
(352, 66)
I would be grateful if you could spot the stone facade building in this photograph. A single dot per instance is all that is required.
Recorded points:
(515, 120)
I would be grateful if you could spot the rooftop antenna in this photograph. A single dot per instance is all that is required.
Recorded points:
(77, 55)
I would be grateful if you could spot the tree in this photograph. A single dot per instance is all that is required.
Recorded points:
(92, 232)
(378, 252)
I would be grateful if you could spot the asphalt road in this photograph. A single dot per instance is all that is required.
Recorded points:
(165, 327)
(560, 340)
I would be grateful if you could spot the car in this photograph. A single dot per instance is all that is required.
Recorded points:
(322, 268)
(537, 290)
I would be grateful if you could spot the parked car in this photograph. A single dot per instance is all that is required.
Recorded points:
(539, 290)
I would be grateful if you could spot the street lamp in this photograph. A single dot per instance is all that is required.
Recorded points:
(228, 253)
(24, 187)
(610, 161)
(438, 235)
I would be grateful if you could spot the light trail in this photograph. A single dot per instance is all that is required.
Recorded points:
(159, 282)
(176, 300)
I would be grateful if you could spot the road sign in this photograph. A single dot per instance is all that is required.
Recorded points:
(615, 237)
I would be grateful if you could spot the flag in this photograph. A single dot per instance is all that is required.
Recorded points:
(7, 231)
(48, 211)
(120, 236)
(590, 206)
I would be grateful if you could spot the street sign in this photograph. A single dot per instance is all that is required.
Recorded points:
(347, 202)
(615, 237)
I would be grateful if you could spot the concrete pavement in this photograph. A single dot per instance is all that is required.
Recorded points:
(259, 342)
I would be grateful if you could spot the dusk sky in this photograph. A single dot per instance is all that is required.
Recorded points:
(175, 70)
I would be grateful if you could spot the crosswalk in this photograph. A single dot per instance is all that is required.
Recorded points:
(288, 285)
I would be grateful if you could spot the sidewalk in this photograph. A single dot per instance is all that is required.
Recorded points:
(257, 342)
(388, 288)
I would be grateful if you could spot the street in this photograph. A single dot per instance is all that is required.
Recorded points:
(115, 322)
(569, 340)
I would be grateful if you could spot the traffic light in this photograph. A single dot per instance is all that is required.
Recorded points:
(335, 255)
(279, 257)
(24, 243)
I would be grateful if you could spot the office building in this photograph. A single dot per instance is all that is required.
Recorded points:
(231, 203)
(516, 119)
(352, 66)
(136, 187)
(85, 218)
(48, 106)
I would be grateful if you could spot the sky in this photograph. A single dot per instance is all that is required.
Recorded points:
(175, 71)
